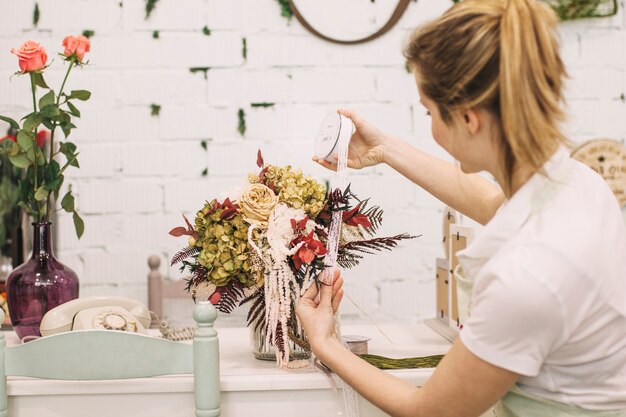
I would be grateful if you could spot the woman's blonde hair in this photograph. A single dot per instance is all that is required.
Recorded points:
(501, 55)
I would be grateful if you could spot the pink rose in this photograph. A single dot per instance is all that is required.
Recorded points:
(31, 56)
(76, 46)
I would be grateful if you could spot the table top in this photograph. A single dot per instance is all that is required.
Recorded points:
(241, 371)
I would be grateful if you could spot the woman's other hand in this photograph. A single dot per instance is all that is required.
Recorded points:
(366, 146)
(317, 314)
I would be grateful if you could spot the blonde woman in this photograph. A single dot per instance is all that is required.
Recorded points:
(546, 334)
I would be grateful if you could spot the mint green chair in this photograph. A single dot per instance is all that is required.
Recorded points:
(105, 355)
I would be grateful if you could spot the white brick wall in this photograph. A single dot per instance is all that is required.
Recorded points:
(140, 172)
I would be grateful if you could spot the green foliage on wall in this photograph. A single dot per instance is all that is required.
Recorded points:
(265, 105)
(88, 33)
(244, 49)
(36, 15)
(241, 126)
(150, 5)
(581, 9)
(206, 30)
(285, 10)
(155, 110)
(203, 70)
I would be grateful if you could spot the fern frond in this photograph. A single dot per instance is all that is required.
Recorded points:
(230, 297)
(375, 216)
(184, 254)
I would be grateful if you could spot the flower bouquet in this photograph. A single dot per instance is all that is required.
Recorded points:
(266, 245)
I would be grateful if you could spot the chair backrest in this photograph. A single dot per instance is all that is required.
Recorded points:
(159, 289)
(105, 354)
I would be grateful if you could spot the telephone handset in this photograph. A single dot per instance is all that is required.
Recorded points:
(108, 313)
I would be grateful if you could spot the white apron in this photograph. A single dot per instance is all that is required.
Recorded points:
(517, 402)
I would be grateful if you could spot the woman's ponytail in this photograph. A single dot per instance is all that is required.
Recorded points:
(502, 55)
(531, 74)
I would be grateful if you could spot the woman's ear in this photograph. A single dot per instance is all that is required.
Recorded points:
(471, 120)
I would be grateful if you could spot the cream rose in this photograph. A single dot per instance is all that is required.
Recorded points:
(257, 203)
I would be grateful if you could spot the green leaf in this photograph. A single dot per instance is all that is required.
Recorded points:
(41, 193)
(41, 160)
(79, 225)
(25, 140)
(74, 161)
(47, 99)
(14, 150)
(52, 175)
(79, 95)
(32, 122)
(68, 202)
(73, 110)
(30, 154)
(38, 76)
(65, 127)
(68, 149)
(20, 161)
(10, 121)
(49, 124)
(3, 234)
(50, 111)
(63, 117)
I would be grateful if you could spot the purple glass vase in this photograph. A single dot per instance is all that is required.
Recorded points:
(39, 285)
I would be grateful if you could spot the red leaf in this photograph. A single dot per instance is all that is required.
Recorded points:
(294, 225)
(178, 231)
(297, 262)
(189, 226)
(215, 297)
(346, 215)
(259, 159)
(302, 223)
(359, 219)
(229, 213)
(262, 175)
(306, 254)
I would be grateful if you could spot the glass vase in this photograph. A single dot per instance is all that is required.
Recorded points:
(267, 352)
(39, 285)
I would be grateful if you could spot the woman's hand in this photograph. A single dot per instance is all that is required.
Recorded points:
(366, 146)
(317, 314)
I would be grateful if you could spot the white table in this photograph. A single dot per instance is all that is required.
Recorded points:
(249, 387)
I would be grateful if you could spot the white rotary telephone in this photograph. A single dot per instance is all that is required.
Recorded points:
(107, 313)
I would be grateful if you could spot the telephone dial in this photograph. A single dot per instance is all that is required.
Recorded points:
(107, 313)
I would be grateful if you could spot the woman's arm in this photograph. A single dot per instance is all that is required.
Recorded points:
(469, 194)
(463, 385)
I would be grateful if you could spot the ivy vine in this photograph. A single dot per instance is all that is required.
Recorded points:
(36, 15)
(150, 6)
(241, 125)
(285, 10)
(581, 9)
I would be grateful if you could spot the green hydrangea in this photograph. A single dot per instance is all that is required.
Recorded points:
(296, 190)
(223, 247)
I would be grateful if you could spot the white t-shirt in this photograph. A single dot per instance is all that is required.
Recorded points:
(549, 296)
